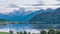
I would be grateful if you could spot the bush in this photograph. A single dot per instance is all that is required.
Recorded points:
(51, 31)
(58, 32)
(11, 32)
(43, 32)
(17, 32)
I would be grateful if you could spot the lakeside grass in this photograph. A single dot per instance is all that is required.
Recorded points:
(4, 33)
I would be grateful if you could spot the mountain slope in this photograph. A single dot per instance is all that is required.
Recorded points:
(22, 16)
(47, 17)
(46, 20)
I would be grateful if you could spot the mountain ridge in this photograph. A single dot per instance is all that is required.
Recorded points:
(19, 15)
(47, 17)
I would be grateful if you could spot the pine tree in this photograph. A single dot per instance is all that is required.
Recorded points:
(29, 33)
(21, 32)
(25, 32)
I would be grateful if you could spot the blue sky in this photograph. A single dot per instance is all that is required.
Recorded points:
(10, 5)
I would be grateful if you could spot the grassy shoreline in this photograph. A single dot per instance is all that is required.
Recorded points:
(4, 33)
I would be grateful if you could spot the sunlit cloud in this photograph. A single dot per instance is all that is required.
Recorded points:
(6, 9)
(11, 5)
(57, 0)
(46, 3)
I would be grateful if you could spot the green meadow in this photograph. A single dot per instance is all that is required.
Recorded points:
(4, 33)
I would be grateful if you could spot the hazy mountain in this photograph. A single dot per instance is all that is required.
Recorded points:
(41, 18)
(47, 17)
(23, 15)
(16, 15)
(46, 20)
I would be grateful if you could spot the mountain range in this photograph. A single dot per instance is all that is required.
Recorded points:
(46, 20)
(49, 18)
(46, 16)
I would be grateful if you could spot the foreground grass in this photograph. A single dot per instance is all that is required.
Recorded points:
(4, 33)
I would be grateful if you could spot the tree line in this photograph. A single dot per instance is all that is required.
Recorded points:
(50, 31)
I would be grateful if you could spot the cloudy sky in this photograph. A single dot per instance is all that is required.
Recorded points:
(10, 5)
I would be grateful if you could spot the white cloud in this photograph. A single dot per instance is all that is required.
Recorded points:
(57, 0)
(13, 6)
(50, 2)
(10, 5)
(6, 9)
(28, 2)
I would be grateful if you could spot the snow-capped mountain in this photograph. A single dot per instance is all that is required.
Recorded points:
(23, 14)
(17, 15)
